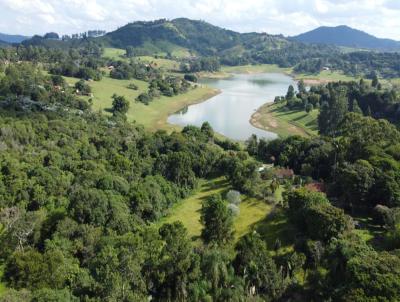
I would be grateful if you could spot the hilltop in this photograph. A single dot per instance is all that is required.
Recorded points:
(348, 37)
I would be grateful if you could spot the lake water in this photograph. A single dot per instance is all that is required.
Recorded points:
(230, 111)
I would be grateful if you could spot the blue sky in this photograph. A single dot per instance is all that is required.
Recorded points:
(378, 17)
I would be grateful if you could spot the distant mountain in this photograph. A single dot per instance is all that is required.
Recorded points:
(2, 43)
(12, 38)
(194, 35)
(348, 37)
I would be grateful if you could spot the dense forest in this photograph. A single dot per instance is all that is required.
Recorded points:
(335, 100)
(83, 194)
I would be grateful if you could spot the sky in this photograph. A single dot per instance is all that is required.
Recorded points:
(288, 17)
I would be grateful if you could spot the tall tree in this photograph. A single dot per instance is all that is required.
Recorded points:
(217, 220)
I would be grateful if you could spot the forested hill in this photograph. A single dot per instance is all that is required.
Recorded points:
(347, 36)
(197, 37)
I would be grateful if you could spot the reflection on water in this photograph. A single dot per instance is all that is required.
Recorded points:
(230, 111)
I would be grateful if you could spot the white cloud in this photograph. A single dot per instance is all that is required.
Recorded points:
(379, 17)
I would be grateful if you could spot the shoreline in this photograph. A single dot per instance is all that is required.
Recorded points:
(163, 122)
(275, 124)
(254, 120)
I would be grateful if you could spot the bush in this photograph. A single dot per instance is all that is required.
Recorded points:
(234, 209)
(133, 86)
(191, 78)
(309, 107)
(233, 197)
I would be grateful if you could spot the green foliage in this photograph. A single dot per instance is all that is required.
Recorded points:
(83, 88)
(120, 105)
(255, 264)
(315, 216)
(217, 220)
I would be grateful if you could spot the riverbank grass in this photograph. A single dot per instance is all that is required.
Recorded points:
(279, 119)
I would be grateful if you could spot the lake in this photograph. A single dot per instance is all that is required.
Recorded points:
(230, 111)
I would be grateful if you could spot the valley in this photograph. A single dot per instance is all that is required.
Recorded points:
(175, 160)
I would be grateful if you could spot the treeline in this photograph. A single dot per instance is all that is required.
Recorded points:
(359, 170)
(166, 86)
(361, 63)
(336, 99)
(209, 64)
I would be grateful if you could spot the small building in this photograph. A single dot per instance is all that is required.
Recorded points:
(284, 173)
(316, 187)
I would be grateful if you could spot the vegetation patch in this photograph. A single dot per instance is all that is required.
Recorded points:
(251, 210)
(153, 116)
(285, 122)
(323, 77)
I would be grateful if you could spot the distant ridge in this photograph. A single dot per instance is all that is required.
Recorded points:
(12, 38)
(348, 37)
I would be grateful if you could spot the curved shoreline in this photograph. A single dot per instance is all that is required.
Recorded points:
(163, 123)
(254, 119)
(277, 125)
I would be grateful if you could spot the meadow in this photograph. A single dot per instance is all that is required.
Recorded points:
(153, 116)
(254, 214)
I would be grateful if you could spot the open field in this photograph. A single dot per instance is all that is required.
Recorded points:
(114, 53)
(261, 68)
(119, 54)
(154, 116)
(278, 119)
(252, 211)
(160, 62)
(323, 77)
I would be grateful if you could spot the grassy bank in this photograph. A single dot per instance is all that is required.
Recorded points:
(278, 119)
(252, 211)
(155, 115)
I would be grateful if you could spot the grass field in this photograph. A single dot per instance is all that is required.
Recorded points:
(114, 53)
(261, 68)
(119, 54)
(154, 116)
(278, 119)
(323, 77)
(160, 62)
(252, 211)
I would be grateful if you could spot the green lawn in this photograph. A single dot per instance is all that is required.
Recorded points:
(252, 211)
(278, 119)
(324, 77)
(114, 53)
(154, 116)
(162, 63)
